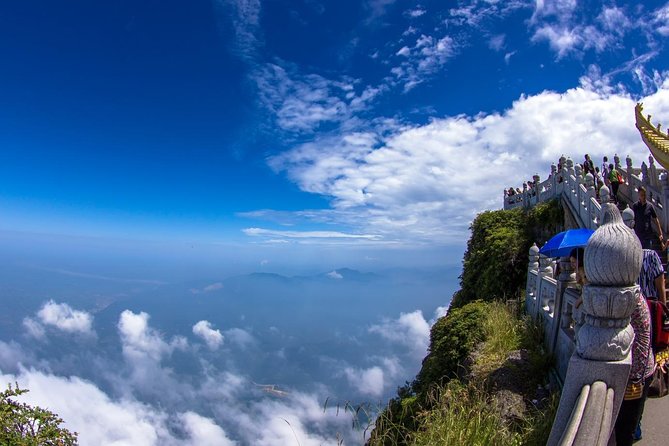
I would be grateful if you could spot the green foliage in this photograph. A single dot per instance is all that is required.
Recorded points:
(24, 425)
(452, 338)
(495, 262)
(463, 415)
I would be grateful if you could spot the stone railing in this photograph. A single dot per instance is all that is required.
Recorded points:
(579, 194)
(590, 344)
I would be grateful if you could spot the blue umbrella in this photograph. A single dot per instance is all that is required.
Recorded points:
(561, 244)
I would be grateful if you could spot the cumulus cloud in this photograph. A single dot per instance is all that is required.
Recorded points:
(424, 184)
(213, 338)
(99, 419)
(140, 341)
(203, 431)
(59, 316)
(410, 330)
(367, 381)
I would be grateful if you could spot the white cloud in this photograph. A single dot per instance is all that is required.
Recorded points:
(140, 341)
(416, 12)
(410, 330)
(306, 234)
(425, 184)
(240, 337)
(213, 338)
(334, 275)
(423, 59)
(568, 29)
(11, 356)
(213, 287)
(100, 420)
(244, 15)
(367, 381)
(497, 42)
(301, 103)
(62, 317)
(660, 20)
(34, 328)
(203, 431)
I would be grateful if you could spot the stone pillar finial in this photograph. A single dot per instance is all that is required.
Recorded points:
(628, 217)
(589, 180)
(616, 161)
(651, 160)
(628, 162)
(553, 169)
(612, 263)
(604, 195)
(534, 257)
(579, 171)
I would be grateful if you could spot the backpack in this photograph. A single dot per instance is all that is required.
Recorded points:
(620, 177)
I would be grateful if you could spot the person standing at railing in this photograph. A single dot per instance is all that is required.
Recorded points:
(644, 217)
(615, 179)
(605, 172)
(588, 166)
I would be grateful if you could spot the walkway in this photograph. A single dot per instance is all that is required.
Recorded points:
(655, 422)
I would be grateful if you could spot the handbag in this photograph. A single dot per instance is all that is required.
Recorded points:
(659, 385)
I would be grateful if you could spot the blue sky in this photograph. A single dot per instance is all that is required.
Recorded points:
(370, 126)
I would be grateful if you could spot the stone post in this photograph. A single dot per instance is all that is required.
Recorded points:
(542, 271)
(579, 181)
(554, 180)
(566, 279)
(644, 173)
(531, 287)
(664, 185)
(570, 166)
(616, 161)
(613, 258)
(652, 172)
(604, 195)
(537, 192)
(546, 270)
(590, 193)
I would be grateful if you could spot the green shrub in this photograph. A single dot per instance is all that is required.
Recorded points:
(495, 262)
(24, 425)
(452, 338)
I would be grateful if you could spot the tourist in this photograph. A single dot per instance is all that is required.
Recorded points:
(588, 166)
(641, 374)
(644, 217)
(605, 172)
(576, 259)
(598, 181)
(614, 179)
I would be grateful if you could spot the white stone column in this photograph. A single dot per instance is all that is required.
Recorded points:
(652, 172)
(612, 263)
(531, 286)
